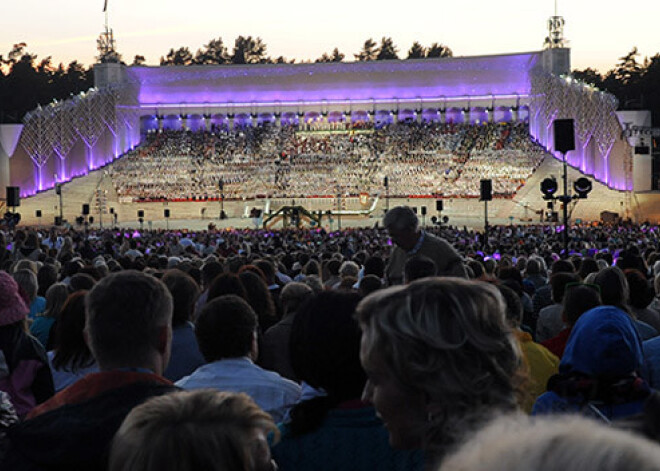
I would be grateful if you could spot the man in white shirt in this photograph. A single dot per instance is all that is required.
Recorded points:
(226, 331)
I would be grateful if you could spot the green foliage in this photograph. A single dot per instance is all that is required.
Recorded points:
(387, 50)
(369, 51)
(26, 83)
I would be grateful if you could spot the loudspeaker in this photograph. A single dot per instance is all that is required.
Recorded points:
(37, 213)
(438, 205)
(13, 196)
(486, 190)
(415, 209)
(58, 188)
(85, 209)
(386, 182)
(564, 135)
(167, 213)
(423, 210)
(140, 213)
(58, 221)
(91, 219)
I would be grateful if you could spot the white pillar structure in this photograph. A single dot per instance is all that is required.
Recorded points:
(9, 136)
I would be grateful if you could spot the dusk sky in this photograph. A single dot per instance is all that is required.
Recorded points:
(599, 32)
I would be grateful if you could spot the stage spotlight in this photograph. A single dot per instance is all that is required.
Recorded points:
(445, 219)
(549, 187)
(582, 187)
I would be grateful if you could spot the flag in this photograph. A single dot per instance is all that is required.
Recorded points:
(105, 5)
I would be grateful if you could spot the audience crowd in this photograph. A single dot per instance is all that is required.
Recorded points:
(400, 347)
(417, 159)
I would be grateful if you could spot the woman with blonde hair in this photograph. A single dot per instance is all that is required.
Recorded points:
(441, 360)
(193, 430)
(569, 443)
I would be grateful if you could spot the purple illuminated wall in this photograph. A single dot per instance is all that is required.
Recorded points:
(410, 79)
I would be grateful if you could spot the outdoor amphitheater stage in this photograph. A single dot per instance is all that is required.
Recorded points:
(524, 208)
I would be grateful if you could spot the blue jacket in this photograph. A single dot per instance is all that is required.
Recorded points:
(605, 348)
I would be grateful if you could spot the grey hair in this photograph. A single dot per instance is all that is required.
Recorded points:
(569, 443)
(401, 218)
(448, 340)
(349, 268)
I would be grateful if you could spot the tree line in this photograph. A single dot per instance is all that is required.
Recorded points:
(249, 50)
(26, 82)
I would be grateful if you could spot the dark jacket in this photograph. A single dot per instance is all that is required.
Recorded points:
(77, 436)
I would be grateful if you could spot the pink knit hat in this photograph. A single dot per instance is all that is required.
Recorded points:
(12, 306)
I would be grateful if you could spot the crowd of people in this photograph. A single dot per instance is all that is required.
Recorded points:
(399, 347)
(418, 159)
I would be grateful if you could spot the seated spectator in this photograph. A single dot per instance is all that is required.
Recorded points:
(540, 362)
(334, 429)
(438, 367)
(43, 324)
(615, 291)
(641, 296)
(226, 331)
(185, 356)
(210, 430)
(369, 284)
(129, 327)
(578, 299)
(24, 372)
(70, 359)
(27, 282)
(599, 374)
(275, 346)
(550, 321)
(418, 267)
(259, 298)
(568, 443)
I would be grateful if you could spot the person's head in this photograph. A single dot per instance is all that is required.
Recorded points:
(588, 265)
(129, 321)
(558, 282)
(226, 283)
(603, 344)
(258, 297)
(268, 268)
(293, 295)
(533, 267)
(55, 298)
(81, 282)
(641, 291)
(440, 358)
(325, 344)
(193, 430)
(71, 351)
(565, 442)
(369, 284)
(514, 307)
(562, 266)
(13, 308)
(578, 299)
(325, 353)
(374, 266)
(27, 281)
(312, 267)
(418, 267)
(227, 328)
(402, 224)
(46, 277)
(333, 267)
(210, 270)
(349, 269)
(184, 293)
(614, 290)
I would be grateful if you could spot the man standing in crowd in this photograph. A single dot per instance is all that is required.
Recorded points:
(128, 329)
(410, 240)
